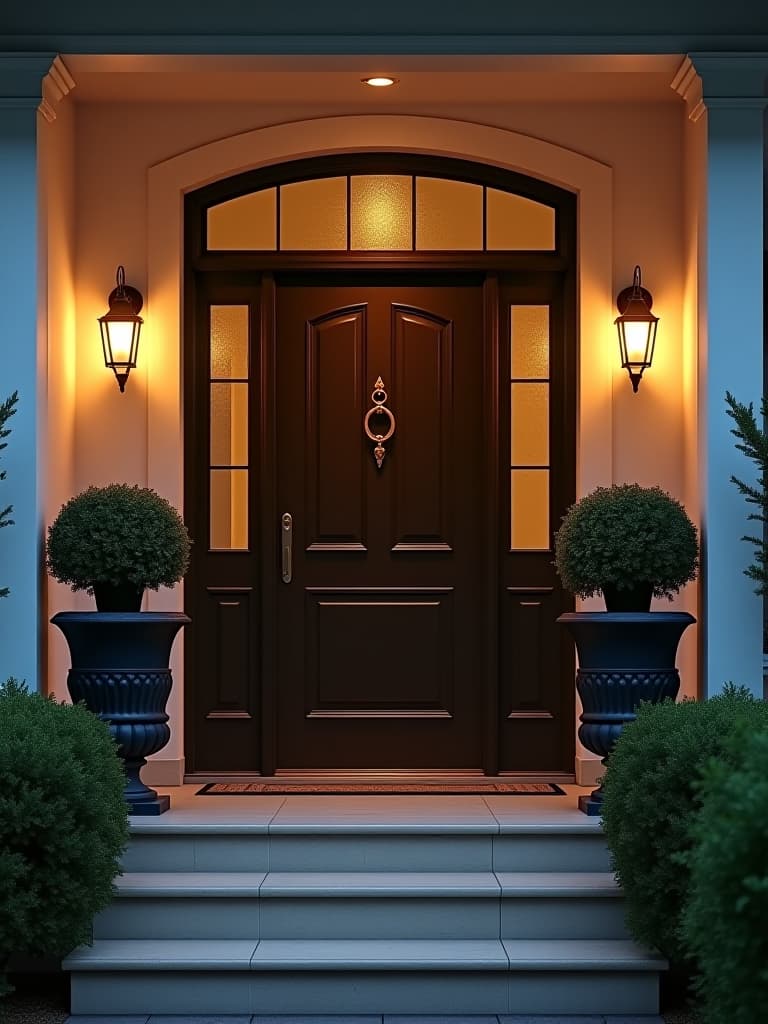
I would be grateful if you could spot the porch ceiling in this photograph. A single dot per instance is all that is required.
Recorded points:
(443, 80)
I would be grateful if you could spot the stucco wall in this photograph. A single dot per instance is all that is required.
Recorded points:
(117, 143)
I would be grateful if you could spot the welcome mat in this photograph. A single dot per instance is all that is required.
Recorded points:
(380, 788)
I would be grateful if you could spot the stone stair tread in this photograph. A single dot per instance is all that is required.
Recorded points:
(366, 883)
(380, 883)
(558, 883)
(162, 954)
(379, 954)
(363, 954)
(581, 955)
(189, 883)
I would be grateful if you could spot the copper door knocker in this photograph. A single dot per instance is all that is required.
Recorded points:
(379, 397)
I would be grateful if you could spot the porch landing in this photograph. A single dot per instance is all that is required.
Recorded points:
(365, 905)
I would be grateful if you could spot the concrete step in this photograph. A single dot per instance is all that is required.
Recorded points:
(575, 845)
(386, 905)
(375, 976)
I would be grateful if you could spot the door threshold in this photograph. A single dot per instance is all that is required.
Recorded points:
(296, 777)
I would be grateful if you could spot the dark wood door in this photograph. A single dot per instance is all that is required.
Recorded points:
(379, 660)
(419, 627)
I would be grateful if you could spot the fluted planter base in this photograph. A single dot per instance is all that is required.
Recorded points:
(624, 658)
(120, 671)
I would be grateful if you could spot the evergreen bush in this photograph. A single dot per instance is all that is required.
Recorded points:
(624, 535)
(724, 924)
(118, 534)
(63, 823)
(753, 442)
(7, 409)
(650, 800)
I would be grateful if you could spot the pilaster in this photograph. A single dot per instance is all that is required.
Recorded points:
(23, 352)
(730, 90)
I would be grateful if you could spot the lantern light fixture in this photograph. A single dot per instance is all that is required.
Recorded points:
(636, 325)
(121, 328)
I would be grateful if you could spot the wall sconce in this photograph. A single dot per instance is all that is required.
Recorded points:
(637, 329)
(120, 329)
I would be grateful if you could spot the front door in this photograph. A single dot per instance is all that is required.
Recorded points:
(381, 600)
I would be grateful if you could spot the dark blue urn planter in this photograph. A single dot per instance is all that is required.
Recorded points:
(120, 671)
(624, 658)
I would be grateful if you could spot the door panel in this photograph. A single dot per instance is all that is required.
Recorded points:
(422, 349)
(379, 655)
(335, 391)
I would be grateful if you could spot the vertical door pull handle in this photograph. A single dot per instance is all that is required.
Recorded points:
(286, 546)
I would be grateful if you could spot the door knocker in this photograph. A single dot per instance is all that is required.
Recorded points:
(379, 397)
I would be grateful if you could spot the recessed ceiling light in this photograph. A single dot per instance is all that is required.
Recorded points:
(379, 81)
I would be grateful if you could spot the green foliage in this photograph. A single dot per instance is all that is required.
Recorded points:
(63, 822)
(118, 534)
(753, 441)
(651, 796)
(724, 925)
(7, 409)
(624, 535)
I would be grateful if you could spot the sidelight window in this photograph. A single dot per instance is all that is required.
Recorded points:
(228, 454)
(529, 428)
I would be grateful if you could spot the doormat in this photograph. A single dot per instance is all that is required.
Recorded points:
(380, 788)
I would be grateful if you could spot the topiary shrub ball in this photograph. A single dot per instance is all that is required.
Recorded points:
(63, 823)
(650, 800)
(118, 534)
(624, 535)
(724, 924)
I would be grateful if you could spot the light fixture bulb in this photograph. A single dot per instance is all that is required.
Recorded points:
(379, 81)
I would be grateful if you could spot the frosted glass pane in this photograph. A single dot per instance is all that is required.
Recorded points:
(449, 214)
(530, 510)
(313, 214)
(514, 222)
(380, 215)
(530, 424)
(229, 509)
(229, 424)
(248, 222)
(229, 341)
(529, 341)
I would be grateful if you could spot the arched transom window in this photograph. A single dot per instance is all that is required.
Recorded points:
(381, 212)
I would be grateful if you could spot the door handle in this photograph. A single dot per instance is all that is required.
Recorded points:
(286, 546)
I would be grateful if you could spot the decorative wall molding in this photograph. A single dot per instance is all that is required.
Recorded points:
(687, 84)
(57, 84)
(722, 80)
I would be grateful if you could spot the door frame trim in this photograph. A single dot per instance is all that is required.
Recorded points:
(262, 266)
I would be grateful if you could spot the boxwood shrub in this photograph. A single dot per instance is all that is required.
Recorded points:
(63, 823)
(650, 800)
(724, 923)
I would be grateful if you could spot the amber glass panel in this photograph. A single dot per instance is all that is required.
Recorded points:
(530, 424)
(313, 214)
(529, 341)
(380, 214)
(229, 424)
(513, 222)
(229, 509)
(229, 341)
(530, 509)
(449, 214)
(248, 222)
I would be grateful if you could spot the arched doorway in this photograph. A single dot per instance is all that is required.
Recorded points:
(404, 616)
